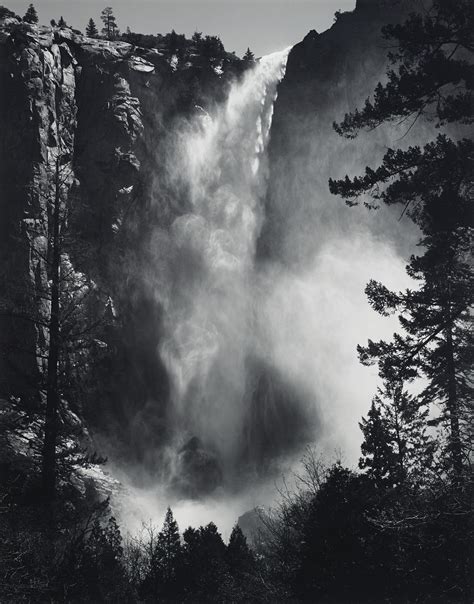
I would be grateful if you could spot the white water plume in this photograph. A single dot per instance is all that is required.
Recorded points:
(260, 353)
(208, 306)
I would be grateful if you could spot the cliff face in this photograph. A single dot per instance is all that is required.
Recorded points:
(328, 75)
(105, 110)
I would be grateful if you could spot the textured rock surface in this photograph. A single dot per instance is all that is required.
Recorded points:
(107, 108)
(38, 116)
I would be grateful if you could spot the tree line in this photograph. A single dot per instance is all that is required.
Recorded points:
(171, 43)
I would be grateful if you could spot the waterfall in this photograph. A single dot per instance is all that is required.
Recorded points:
(208, 291)
(259, 353)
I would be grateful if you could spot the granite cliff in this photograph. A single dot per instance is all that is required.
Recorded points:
(106, 109)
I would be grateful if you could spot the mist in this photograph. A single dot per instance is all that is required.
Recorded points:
(259, 347)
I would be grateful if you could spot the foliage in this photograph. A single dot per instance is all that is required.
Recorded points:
(110, 29)
(68, 313)
(396, 450)
(249, 57)
(239, 555)
(212, 47)
(417, 447)
(433, 74)
(6, 13)
(91, 29)
(31, 16)
(433, 79)
(162, 577)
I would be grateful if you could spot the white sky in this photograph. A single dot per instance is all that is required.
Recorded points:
(264, 25)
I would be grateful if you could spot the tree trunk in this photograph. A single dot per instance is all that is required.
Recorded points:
(52, 392)
(453, 407)
(398, 393)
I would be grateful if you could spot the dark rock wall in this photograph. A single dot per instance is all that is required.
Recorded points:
(37, 99)
(114, 105)
(327, 75)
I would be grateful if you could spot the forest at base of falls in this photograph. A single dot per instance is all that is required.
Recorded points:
(399, 529)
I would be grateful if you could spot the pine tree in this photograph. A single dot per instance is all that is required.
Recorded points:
(31, 16)
(396, 450)
(62, 22)
(433, 185)
(165, 562)
(204, 567)
(110, 29)
(212, 47)
(62, 307)
(98, 572)
(430, 74)
(91, 29)
(379, 459)
(249, 57)
(334, 550)
(168, 548)
(437, 340)
(239, 557)
(197, 39)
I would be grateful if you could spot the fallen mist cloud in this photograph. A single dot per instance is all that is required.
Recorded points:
(311, 321)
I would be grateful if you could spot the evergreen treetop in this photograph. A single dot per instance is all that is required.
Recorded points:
(31, 16)
(248, 57)
(91, 29)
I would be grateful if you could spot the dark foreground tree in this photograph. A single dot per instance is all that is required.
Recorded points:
(431, 72)
(396, 451)
(438, 341)
(162, 580)
(68, 313)
(426, 521)
(239, 556)
(71, 332)
(433, 185)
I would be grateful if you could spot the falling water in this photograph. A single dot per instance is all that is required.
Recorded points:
(209, 306)
(260, 353)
